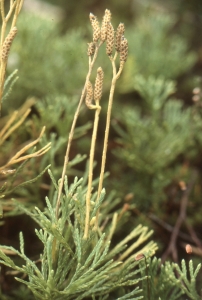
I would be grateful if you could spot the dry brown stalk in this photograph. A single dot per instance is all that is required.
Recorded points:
(116, 75)
(71, 133)
(97, 95)
(7, 130)
(7, 119)
(90, 172)
(7, 125)
(97, 107)
(18, 8)
(18, 157)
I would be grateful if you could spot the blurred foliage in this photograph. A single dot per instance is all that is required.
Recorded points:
(155, 50)
(49, 64)
(153, 138)
(75, 15)
(151, 142)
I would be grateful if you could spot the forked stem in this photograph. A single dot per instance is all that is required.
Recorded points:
(90, 172)
(71, 134)
(107, 127)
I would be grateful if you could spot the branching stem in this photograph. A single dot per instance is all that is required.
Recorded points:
(107, 127)
(90, 172)
(71, 134)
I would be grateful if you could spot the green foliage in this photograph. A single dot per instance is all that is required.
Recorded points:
(9, 83)
(71, 267)
(59, 108)
(153, 137)
(169, 281)
(152, 141)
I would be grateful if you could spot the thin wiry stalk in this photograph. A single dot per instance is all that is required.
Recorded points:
(90, 95)
(71, 134)
(19, 156)
(3, 26)
(8, 130)
(90, 172)
(107, 127)
(17, 11)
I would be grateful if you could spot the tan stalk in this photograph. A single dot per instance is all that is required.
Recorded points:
(116, 75)
(25, 157)
(90, 172)
(18, 8)
(18, 156)
(7, 125)
(5, 133)
(92, 59)
(97, 97)
(113, 227)
(71, 134)
(9, 120)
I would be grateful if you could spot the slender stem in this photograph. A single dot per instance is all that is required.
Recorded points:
(71, 134)
(113, 227)
(14, 127)
(2, 79)
(108, 120)
(17, 11)
(90, 173)
(3, 26)
(3, 64)
(12, 6)
(7, 125)
(104, 153)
